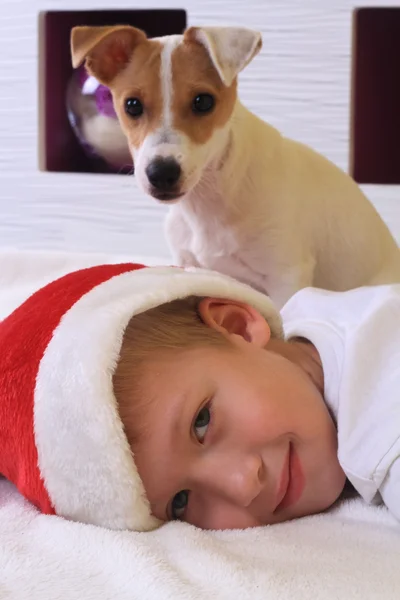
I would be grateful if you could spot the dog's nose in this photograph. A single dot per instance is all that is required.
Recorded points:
(163, 173)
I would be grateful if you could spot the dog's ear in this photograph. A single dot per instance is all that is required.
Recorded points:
(230, 48)
(106, 50)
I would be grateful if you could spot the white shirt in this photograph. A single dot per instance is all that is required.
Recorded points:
(357, 335)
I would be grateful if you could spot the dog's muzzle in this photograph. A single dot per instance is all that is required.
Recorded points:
(164, 175)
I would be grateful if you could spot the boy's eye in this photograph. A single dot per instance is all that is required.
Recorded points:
(179, 504)
(201, 423)
(180, 500)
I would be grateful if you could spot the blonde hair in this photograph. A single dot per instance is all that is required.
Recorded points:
(171, 327)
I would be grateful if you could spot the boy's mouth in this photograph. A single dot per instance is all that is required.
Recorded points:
(292, 481)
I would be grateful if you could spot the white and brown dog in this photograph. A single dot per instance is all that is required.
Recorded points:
(246, 201)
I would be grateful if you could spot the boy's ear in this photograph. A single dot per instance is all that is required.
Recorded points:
(105, 50)
(230, 48)
(234, 319)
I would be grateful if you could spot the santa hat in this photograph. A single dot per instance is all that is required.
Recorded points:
(62, 442)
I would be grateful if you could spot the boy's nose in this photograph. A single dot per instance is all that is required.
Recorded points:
(237, 478)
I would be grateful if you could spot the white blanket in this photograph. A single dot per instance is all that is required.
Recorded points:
(351, 552)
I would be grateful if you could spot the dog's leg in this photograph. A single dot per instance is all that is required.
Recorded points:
(179, 237)
(284, 284)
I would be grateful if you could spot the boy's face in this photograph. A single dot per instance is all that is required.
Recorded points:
(239, 436)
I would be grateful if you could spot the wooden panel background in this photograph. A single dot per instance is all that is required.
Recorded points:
(300, 83)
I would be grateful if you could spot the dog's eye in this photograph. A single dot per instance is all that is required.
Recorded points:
(133, 107)
(203, 103)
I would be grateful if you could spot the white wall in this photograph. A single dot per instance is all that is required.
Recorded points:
(300, 83)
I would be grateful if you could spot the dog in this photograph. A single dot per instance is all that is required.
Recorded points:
(246, 201)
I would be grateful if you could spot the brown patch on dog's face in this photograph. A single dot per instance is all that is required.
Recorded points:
(142, 80)
(192, 74)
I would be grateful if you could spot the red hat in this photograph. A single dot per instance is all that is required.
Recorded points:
(62, 442)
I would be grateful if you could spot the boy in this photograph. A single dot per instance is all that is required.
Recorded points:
(132, 396)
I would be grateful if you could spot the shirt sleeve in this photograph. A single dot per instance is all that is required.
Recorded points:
(390, 489)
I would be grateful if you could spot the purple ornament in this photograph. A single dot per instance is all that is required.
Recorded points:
(94, 121)
(102, 94)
